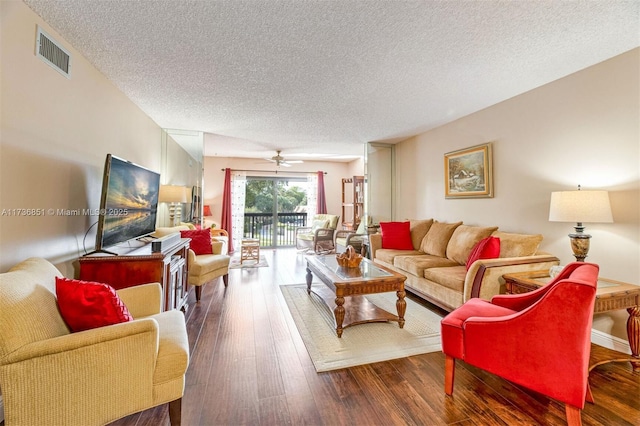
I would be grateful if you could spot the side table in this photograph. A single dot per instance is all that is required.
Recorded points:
(249, 249)
(610, 295)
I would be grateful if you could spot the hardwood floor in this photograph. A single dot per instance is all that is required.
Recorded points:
(249, 366)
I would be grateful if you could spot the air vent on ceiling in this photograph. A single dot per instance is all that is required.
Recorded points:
(53, 54)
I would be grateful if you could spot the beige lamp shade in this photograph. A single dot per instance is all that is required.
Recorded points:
(580, 207)
(172, 194)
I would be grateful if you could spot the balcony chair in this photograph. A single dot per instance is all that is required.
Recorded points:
(51, 376)
(204, 267)
(319, 237)
(354, 239)
(540, 340)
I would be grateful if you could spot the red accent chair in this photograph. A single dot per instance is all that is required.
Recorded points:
(540, 340)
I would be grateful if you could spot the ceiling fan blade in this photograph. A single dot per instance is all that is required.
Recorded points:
(284, 164)
(295, 161)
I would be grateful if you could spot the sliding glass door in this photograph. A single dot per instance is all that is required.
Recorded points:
(274, 208)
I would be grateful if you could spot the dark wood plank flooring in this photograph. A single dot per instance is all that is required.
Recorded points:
(249, 366)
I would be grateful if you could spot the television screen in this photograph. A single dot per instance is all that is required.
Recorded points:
(129, 202)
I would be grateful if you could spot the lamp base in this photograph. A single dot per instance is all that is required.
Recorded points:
(580, 245)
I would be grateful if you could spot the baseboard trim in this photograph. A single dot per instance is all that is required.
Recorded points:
(610, 342)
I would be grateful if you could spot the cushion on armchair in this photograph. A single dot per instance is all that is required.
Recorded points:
(319, 224)
(85, 305)
(200, 240)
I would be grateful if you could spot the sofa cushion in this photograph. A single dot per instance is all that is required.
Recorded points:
(464, 239)
(437, 238)
(396, 235)
(451, 277)
(419, 229)
(388, 255)
(518, 245)
(416, 265)
(85, 305)
(487, 248)
(200, 240)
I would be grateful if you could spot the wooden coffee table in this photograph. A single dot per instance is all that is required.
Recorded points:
(346, 287)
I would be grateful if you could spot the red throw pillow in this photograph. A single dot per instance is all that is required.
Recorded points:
(85, 305)
(487, 248)
(396, 235)
(200, 240)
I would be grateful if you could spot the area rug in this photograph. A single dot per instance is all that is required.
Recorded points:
(364, 343)
(235, 263)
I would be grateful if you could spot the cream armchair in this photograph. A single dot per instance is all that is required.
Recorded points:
(319, 237)
(204, 267)
(49, 376)
(354, 239)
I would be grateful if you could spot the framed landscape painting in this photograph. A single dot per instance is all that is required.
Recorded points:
(468, 172)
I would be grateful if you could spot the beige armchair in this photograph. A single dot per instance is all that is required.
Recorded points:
(351, 238)
(204, 267)
(51, 376)
(319, 236)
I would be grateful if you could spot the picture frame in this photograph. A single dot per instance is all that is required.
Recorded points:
(468, 172)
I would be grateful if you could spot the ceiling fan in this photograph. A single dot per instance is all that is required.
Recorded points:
(280, 160)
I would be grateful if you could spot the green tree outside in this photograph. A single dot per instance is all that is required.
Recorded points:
(259, 196)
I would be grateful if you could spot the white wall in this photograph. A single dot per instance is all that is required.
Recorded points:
(55, 134)
(582, 129)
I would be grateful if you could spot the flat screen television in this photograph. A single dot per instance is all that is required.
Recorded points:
(128, 204)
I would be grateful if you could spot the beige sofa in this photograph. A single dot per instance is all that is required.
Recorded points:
(436, 267)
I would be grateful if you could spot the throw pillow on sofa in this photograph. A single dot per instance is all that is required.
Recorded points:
(464, 239)
(437, 238)
(396, 235)
(419, 229)
(85, 305)
(487, 248)
(200, 240)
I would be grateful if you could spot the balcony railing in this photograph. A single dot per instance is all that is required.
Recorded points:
(260, 226)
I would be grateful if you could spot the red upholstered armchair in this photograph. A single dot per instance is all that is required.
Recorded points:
(540, 340)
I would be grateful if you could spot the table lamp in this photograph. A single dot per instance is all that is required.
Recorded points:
(174, 195)
(580, 207)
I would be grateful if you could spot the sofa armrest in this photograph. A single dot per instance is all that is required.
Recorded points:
(113, 363)
(484, 277)
(142, 300)
(375, 243)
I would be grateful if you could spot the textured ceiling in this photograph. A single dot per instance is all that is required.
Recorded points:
(324, 77)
